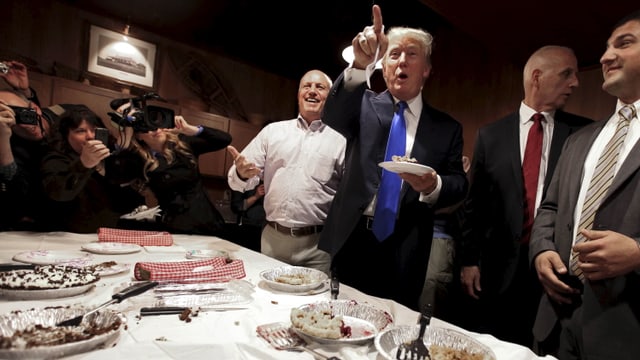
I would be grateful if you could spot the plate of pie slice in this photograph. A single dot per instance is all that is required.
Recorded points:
(32, 334)
(53, 257)
(46, 282)
(406, 167)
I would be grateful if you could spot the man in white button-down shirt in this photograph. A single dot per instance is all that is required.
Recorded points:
(301, 162)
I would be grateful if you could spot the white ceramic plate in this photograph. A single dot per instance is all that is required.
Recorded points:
(364, 320)
(310, 278)
(14, 321)
(405, 167)
(387, 341)
(112, 248)
(53, 257)
(15, 294)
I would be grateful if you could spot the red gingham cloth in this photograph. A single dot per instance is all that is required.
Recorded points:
(208, 270)
(142, 238)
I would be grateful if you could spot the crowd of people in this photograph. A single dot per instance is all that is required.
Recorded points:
(535, 241)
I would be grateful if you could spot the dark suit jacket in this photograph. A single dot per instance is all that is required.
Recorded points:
(610, 308)
(364, 118)
(494, 208)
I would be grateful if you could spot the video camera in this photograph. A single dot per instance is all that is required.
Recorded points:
(140, 116)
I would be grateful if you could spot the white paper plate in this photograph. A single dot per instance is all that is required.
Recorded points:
(14, 321)
(364, 320)
(405, 167)
(112, 248)
(53, 257)
(311, 278)
(14, 294)
(142, 213)
(111, 270)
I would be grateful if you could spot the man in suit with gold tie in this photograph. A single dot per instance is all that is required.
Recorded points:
(599, 232)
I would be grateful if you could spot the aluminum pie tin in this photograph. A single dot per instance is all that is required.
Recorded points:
(387, 341)
(311, 278)
(106, 326)
(365, 321)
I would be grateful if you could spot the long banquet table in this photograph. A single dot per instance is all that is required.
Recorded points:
(212, 334)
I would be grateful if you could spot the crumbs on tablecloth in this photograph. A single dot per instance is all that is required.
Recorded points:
(162, 338)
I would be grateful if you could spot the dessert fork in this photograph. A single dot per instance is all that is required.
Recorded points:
(416, 350)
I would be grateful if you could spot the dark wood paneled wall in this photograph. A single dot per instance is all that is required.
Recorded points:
(469, 82)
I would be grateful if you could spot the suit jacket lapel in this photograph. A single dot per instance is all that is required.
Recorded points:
(512, 136)
(560, 134)
(628, 167)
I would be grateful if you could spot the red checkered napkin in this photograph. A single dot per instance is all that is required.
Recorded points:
(215, 269)
(142, 238)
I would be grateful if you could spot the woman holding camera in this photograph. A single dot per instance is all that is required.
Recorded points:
(171, 172)
(84, 179)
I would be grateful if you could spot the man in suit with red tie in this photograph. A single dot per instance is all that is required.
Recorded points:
(513, 161)
(599, 230)
(382, 247)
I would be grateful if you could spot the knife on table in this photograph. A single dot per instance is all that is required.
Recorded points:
(10, 267)
(172, 310)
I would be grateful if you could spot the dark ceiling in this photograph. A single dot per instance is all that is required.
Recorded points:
(290, 37)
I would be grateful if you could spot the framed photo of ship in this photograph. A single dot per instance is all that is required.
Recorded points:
(121, 57)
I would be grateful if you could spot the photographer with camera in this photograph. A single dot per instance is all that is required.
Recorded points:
(84, 178)
(169, 147)
(23, 142)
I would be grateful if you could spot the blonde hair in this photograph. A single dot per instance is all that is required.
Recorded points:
(420, 36)
(171, 147)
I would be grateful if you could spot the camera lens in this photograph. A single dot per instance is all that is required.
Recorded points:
(159, 117)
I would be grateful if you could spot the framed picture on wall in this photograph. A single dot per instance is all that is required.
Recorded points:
(121, 57)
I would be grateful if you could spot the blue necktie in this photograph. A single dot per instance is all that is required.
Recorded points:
(384, 218)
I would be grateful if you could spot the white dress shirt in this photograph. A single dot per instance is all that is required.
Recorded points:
(301, 167)
(596, 149)
(547, 128)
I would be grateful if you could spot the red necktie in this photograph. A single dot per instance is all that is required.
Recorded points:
(530, 172)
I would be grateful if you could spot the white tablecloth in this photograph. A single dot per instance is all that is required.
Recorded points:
(210, 335)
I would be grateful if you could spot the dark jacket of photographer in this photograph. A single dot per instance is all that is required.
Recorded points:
(186, 208)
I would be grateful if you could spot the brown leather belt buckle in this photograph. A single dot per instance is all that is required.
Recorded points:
(295, 232)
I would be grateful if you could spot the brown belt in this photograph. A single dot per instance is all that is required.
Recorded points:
(299, 231)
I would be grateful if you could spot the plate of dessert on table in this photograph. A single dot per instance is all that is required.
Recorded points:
(442, 343)
(46, 282)
(33, 334)
(109, 268)
(294, 279)
(339, 322)
(404, 164)
(51, 257)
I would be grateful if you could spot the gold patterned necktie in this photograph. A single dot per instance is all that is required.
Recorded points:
(601, 180)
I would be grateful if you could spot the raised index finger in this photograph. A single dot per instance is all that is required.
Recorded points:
(376, 13)
(233, 152)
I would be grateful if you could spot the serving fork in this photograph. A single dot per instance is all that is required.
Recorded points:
(416, 349)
